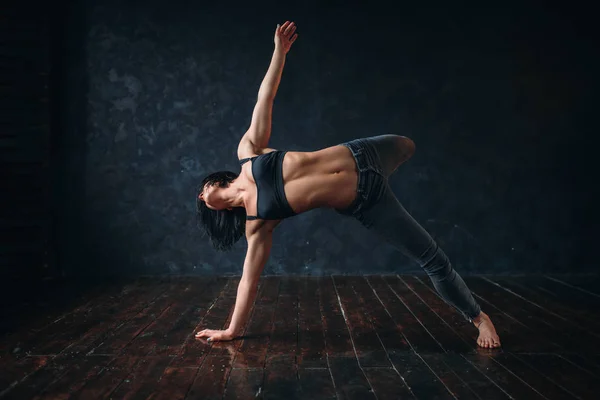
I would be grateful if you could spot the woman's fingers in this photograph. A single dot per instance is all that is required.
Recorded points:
(207, 333)
(204, 333)
(289, 29)
(293, 39)
(283, 27)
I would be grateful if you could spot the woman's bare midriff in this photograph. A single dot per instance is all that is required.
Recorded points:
(323, 178)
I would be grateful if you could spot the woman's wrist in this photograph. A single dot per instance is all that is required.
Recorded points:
(279, 50)
(232, 332)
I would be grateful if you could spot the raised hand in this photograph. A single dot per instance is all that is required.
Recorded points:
(285, 37)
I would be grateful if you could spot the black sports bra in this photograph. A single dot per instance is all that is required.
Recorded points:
(271, 202)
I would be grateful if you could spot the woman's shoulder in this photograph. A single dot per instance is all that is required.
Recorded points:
(261, 225)
(247, 151)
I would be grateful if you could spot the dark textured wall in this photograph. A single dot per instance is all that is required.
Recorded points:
(159, 93)
(25, 145)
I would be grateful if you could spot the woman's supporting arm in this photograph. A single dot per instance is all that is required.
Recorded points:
(259, 248)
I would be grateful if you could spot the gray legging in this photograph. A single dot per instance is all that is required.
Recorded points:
(378, 209)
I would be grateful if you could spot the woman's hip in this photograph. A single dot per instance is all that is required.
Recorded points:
(372, 181)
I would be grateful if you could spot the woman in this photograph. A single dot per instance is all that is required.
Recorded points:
(351, 177)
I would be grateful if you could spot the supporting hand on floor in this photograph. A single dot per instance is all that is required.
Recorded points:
(215, 335)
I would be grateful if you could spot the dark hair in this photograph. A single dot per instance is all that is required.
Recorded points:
(223, 227)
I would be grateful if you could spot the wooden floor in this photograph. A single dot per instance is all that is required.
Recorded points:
(364, 337)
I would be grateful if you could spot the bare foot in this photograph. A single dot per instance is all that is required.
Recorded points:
(488, 337)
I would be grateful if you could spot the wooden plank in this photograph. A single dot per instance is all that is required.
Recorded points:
(533, 378)
(569, 296)
(174, 383)
(92, 377)
(585, 362)
(230, 348)
(513, 334)
(369, 350)
(13, 371)
(224, 352)
(387, 384)
(56, 337)
(548, 304)
(562, 372)
(549, 326)
(211, 379)
(463, 328)
(349, 380)
(252, 352)
(487, 375)
(194, 350)
(423, 383)
(75, 377)
(284, 332)
(181, 329)
(154, 333)
(53, 301)
(576, 297)
(509, 383)
(117, 314)
(41, 378)
(415, 333)
(281, 378)
(244, 384)
(138, 383)
(457, 376)
(316, 384)
(388, 331)
(478, 380)
(337, 338)
(568, 336)
(119, 340)
(587, 283)
(448, 339)
(311, 340)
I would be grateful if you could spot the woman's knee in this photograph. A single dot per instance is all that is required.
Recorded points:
(436, 263)
(393, 150)
(405, 148)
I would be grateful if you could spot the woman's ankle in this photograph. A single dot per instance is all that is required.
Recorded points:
(479, 318)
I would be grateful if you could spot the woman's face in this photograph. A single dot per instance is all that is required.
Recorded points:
(209, 196)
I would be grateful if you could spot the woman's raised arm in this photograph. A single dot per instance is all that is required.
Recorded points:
(259, 132)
